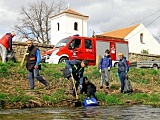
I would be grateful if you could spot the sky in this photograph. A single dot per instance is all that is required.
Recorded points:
(104, 15)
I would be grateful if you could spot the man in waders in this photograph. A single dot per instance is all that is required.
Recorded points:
(76, 68)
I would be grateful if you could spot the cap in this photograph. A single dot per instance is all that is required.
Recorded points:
(13, 34)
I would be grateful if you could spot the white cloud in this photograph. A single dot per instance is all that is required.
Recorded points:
(104, 15)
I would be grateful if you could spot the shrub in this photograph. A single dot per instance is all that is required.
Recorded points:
(144, 51)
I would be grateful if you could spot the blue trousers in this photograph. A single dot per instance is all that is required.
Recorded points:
(122, 78)
(35, 74)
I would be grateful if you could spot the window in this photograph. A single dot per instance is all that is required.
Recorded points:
(58, 26)
(62, 42)
(141, 38)
(88, 44)
(75, 26)
(76, 43)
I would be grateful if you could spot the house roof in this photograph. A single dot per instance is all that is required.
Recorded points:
(120, 33)
(70, 11)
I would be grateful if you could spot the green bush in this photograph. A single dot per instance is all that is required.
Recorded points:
(144, 51)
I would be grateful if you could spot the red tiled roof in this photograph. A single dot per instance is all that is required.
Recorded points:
(120, 33)
(70, 11)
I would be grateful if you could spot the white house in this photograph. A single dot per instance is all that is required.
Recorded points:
(67, 23)
(139, 39)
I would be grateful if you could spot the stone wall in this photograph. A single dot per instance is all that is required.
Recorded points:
(21, 47)
(133, 57)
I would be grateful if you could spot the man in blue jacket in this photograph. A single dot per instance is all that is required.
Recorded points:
(76, 68)
(105, 65)
(32, 65)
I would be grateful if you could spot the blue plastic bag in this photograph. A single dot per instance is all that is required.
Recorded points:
(90, 102)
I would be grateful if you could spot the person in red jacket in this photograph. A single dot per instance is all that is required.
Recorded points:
(6, 45)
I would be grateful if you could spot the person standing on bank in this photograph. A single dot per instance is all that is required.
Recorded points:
(32, 65)
(105, 66)
(76, 68)
(6, 45)
(122, 70)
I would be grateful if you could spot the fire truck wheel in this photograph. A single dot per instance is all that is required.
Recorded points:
(155, 66)
(63, 60)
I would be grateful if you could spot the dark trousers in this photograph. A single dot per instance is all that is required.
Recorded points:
(122, 78)
(35, 74)
(91, 92)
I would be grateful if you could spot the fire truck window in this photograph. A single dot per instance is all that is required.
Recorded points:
(75, 43)
(88, 44)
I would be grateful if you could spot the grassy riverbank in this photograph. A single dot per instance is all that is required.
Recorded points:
(15, 92)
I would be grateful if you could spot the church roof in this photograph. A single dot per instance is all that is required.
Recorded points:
(120, 33)
(70, 11)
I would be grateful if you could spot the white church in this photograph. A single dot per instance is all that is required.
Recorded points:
(67, 23)
(70, 22)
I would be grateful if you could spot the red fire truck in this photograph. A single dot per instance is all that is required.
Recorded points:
(77, 47)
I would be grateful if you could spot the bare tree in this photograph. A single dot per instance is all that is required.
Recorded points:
(34, 20)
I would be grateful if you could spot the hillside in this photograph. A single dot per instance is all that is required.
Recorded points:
(15, 92)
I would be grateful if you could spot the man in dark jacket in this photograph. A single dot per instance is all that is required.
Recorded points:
(76, 68)
(6, 45)
(32, 65)
(88, 88)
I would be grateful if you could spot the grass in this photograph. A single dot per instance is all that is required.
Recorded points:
(110, 99)
(15, 87)
(56, 96)
(10, 98)
(2, 96)
(113, 99)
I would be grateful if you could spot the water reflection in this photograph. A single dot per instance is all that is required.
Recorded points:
(99, 113)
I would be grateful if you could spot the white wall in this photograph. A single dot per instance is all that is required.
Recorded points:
(66, 23)
(55, 34)
(150, 43)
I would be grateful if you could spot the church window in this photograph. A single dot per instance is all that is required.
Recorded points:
(75, 26)
(58, 26)
(141, 38)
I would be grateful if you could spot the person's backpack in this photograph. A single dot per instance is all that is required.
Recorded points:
(128, 64)
(66, 73)
(127, 85)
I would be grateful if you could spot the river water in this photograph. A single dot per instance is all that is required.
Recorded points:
(135, 112)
